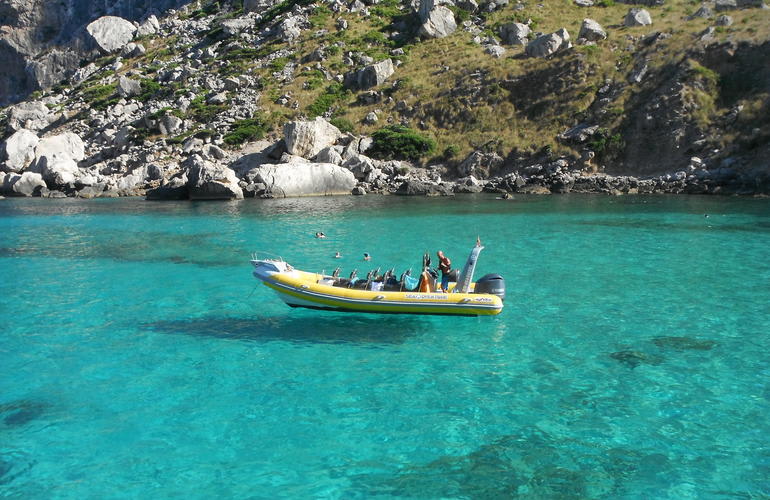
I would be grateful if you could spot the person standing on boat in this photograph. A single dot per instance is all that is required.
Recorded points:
(445, 266)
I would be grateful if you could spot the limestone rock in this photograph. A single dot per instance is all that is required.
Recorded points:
(370, 76)
(64, 146)
(170, 124)
(111, 33)
(440, 23)
(149, 27)
(592, 31)
(175, 189)
(60, 171)
(308, 138)
(495, 51)
(703, 12)
(26, 184)
(479, 164)
(724, 20)
(128, 87)
(304, 179)
(723, 5)
(515, 33)
(212, 182)
(637, 17)
(19, 150)
(32, 116)
(546, 45)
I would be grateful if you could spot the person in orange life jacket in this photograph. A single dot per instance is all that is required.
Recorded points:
(445, 266)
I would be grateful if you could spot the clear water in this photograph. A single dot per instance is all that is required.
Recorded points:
(138, 358)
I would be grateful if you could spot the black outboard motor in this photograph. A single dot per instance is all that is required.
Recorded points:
(491, 283)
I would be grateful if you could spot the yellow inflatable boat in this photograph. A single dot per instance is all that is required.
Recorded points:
(383, 293)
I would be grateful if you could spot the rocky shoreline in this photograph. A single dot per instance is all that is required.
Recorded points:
(314, 159)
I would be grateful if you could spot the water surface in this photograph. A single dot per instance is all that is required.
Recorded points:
(140, 358)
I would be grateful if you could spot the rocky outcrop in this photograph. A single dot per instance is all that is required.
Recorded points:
(19, 150)
(370, 76)
(515, 33)
(26, 184)
(439, 23)
(591, 31)
(637, 17)
(303, 179)
(546, 45)
(207, 181)
(308, 138)
(32, 115)
(111, 33)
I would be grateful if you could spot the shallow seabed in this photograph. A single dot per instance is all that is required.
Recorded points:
(138, 358)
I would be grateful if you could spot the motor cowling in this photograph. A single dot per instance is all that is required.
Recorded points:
(493, 284)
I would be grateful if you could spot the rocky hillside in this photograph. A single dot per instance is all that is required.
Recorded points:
(226, 99)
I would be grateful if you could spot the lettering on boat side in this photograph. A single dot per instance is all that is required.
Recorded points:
(482, 299)
(425, 297)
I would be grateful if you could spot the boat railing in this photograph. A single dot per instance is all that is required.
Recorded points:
(266, 256)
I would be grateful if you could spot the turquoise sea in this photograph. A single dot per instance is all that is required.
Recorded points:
(139, 358)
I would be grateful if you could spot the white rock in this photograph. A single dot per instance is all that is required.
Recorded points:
(212, 182)
(439, 24)
(19, 150)
(26, 184)
(638, 17)
(308, 138)
(128, 87)
(370, 76)
(149, 27)
(515, 33)
(60, 171)
(592, 31)
(64, 146)
(545, 45)
(111, 33)
(304, 179)
(32, 116)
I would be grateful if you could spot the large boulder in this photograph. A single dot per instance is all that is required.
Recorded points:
(480, 164)
(175, 188)
(592, 31)
(111, 33)
(128, 87)
(370, 76)
(515, 33)
(26, 184)
(19, 150)
(66, 146)
(308, 138)
(637, 17)
(546, 45)
(32, 116)
(59, 172)
(207, 181)
(304, 179)
(440, 23)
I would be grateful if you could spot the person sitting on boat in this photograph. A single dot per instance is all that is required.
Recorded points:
(445, 266)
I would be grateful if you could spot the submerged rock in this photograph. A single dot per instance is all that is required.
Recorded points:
(633, 359)
(684, 343)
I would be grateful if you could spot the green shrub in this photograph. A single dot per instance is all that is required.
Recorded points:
(203, 112)
(605, 3)
(399, 142)
(343, 124)
(246, 130)
(450, 151)
(279, 63)
(320, 16)
(607, 145)
(333, 94)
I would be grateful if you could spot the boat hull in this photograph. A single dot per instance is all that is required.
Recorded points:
(300, 289)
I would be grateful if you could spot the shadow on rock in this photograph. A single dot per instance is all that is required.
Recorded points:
(683, 343)
(339, 328)
(21, 412)
(632, 359)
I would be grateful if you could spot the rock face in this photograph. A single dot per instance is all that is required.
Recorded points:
(19, 150)
(370, 76)
(515, 33)
(67, 145)
(111, 33)
(128, 87)
(637, 17)
(26, 184)
(592, 31)
(304, 179)
(210, 182)
(546, 45)
(33, 116)
(439, 23)
(308, 138)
